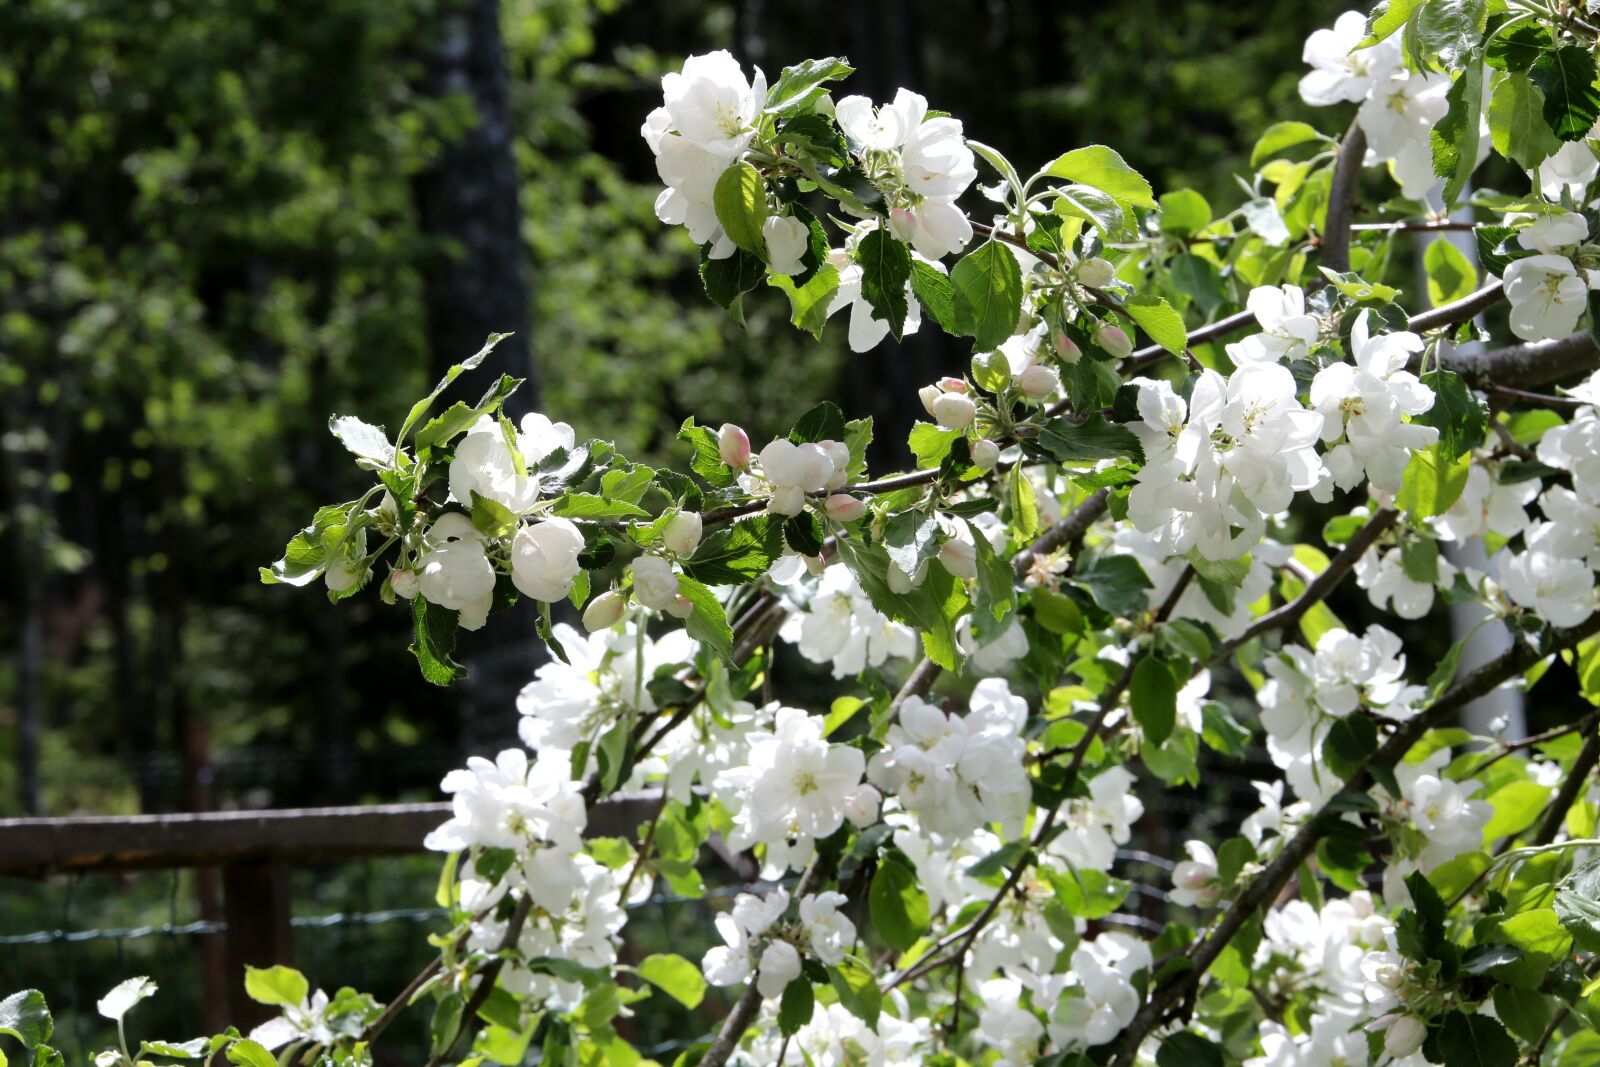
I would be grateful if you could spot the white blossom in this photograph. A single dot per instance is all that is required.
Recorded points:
(544, 559)
(1547, 296)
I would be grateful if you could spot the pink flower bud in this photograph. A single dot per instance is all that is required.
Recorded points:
(1038, 381)
(681, 607)
(734, 445)
(985, 454)
(404, 583)
(1114, 340)
(954, 411)
(1066, 348)
(842, 507)
(952, 385)
(604, 611)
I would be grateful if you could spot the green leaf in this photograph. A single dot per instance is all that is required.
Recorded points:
(276, 985)
(857, 988)
(364, 440)
(1387, 19)
(708, 624)
(1525, 1012)
(1460, 416)
(1187, 1049)
(1116, 582)
(707, 459)
(1451, 274)
(1106, 170)
(988, 294)
(1516, 123)
(492, 518)
(799, 1003)
(726, 280)
(933, 291)
(996, 601)
(193, 1049)
(1157, 318)
(885, 270)
(1279, 136)
(1090, 441)
(26, 1017)
(1576, 907)
(1154, 695)
(738, 553)
(248, 1053)
(740, 200)
(1185, 211)
(1448, 30)
(434, 641)
(1351, 741)
(1541, 931)
(675, 976)
(898, 905)
(472, 362)
(1475, 1041)
(460, 416)
(1517, 806)
(808, 303)
(1358, 288)
(1090, 204)
(824, 422)
(1432, 482)
(1087, 893)
(793, 89)
(1517, 49)
(931, 608)
(1566, 77)
(1455, 137)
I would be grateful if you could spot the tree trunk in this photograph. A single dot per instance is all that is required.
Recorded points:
(477, 285)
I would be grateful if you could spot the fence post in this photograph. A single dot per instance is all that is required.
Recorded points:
(255, 905)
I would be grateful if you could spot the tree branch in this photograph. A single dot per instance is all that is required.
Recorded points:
(1532, 364)
(1342, 199)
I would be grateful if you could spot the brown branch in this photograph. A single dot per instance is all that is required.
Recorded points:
(1522, 366)
(1576, 781)
(1320, 586)
(1342, 199)
(1068, 531)
(1457, 311)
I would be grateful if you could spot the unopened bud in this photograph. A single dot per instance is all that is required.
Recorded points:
(404, 583)
(952, 385)
(960, 558)
(816, 565)
(604, 611)
(842, 507)
(734, 445)
(682, 533)
(1096, 272)
(1404, 1036)
(1114, 340)
(1066, 348)
(954, 411)
(1038, 381)
(928, 394)
(681, 607)
(985, 454)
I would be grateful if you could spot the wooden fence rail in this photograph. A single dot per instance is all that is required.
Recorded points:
(255, 851)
